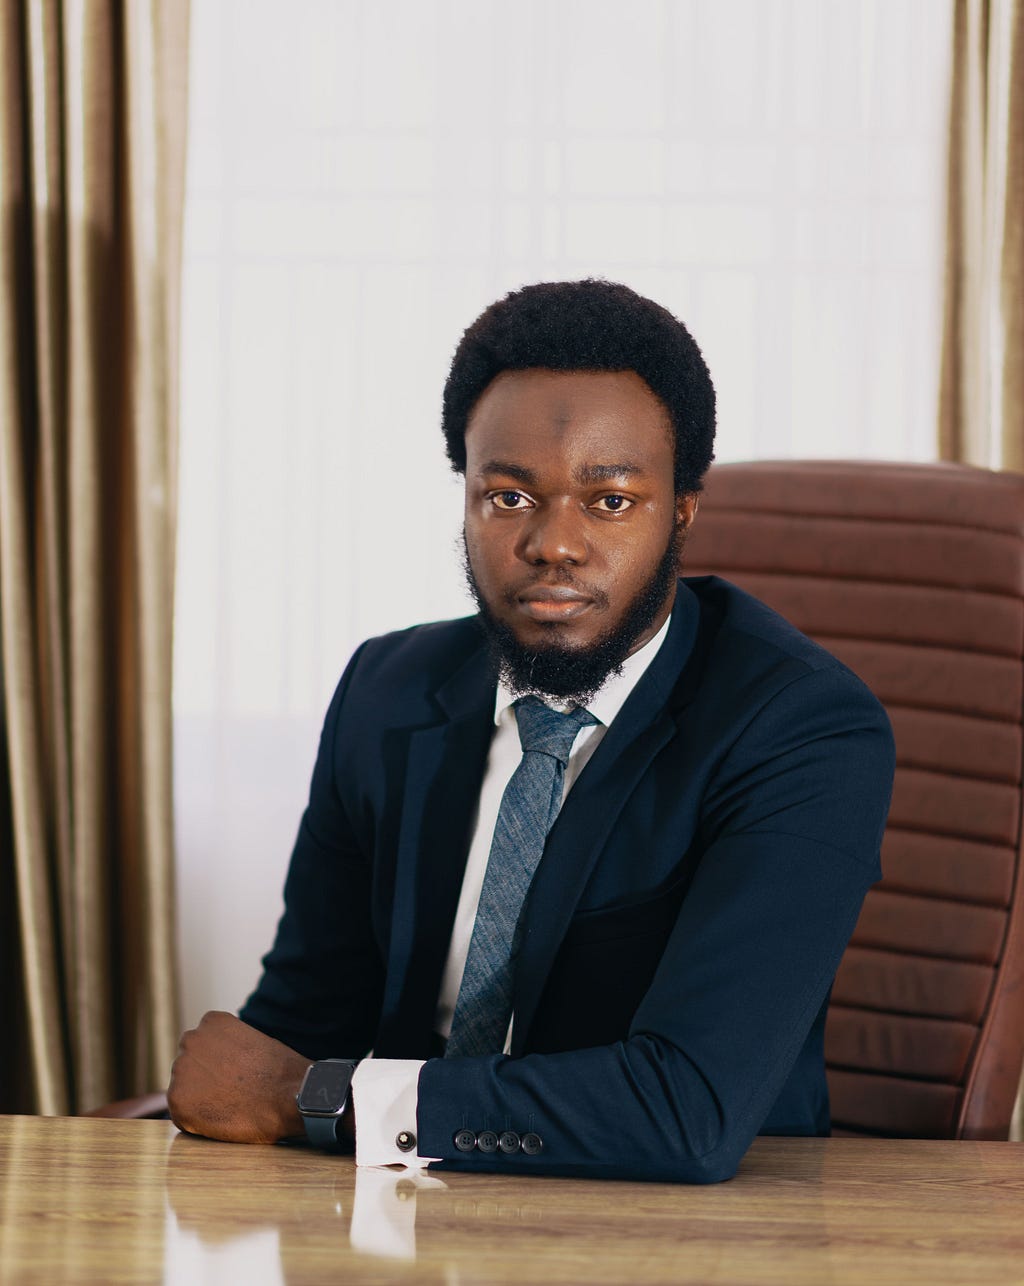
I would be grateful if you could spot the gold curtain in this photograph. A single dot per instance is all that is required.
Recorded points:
(981, 404)
(92, 140)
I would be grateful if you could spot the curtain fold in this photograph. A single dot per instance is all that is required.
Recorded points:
(92, 138)
(981, 402)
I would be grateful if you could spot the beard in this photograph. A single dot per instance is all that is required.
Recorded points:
(575, 674)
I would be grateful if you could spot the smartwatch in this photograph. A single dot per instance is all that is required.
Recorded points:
(325, 1098)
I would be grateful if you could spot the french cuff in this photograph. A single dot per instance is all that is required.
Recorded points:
(385, 1097)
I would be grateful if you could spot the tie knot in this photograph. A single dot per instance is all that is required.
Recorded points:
(549, 731)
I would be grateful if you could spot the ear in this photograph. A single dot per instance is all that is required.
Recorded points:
(686, 509)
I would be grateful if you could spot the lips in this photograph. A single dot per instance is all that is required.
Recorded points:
(553, 603)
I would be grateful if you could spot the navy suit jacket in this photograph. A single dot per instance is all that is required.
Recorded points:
(685, 922)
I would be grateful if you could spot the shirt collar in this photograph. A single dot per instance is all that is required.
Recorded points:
(611, 696)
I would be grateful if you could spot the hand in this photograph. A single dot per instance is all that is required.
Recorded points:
(232, 1082)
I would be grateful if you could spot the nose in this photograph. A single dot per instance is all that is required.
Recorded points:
(553, 534)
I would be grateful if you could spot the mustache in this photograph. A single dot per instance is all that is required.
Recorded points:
(561, 576)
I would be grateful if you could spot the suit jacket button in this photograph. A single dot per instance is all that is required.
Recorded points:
(465, 1140)
(487, 1141)
(532, 1144)
(509, 1141)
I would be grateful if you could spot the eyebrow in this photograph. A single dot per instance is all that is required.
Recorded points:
(585, 476)
(518, 471)
(606, 472)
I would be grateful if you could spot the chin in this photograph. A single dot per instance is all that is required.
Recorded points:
(553, 635)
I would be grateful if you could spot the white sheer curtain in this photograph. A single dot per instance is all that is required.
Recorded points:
(364, 178)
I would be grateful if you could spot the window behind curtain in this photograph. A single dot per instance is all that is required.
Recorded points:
(364, 178)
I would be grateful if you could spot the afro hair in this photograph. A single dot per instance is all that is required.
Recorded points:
(589, 325)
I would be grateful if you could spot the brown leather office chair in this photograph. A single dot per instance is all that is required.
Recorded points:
(913, 575)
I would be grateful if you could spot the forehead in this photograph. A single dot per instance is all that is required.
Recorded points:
(597, 416)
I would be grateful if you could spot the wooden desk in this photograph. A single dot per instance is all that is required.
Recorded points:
(99, 1201)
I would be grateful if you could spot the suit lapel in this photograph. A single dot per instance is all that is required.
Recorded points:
(444, 770)
(644, 725)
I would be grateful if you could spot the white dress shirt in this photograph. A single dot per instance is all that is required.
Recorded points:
(384, 1089)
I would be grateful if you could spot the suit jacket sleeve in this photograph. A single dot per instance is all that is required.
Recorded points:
(322, 981)
(792, 821)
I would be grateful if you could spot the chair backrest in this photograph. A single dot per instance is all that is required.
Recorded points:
(913, 575)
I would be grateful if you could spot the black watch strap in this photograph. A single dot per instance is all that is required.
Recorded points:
(322, 1131)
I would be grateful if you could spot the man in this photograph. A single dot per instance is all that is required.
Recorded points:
(592, 933)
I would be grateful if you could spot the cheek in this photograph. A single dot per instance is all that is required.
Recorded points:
(488, 550)
(631, 552)
(627, 569)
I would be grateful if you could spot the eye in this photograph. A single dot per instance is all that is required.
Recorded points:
(614, 504)
(509, 500)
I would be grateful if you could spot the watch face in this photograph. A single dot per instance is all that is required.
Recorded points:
(325, 1087)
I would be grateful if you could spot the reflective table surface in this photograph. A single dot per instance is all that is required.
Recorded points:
(85, 1200)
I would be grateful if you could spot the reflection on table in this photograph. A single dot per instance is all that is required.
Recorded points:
(94, 1200)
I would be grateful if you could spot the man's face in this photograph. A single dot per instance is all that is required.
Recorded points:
(572, 522)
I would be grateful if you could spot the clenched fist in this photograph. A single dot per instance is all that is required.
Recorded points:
(232, 1082)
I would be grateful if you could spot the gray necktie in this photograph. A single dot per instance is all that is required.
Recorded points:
(528, 810)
